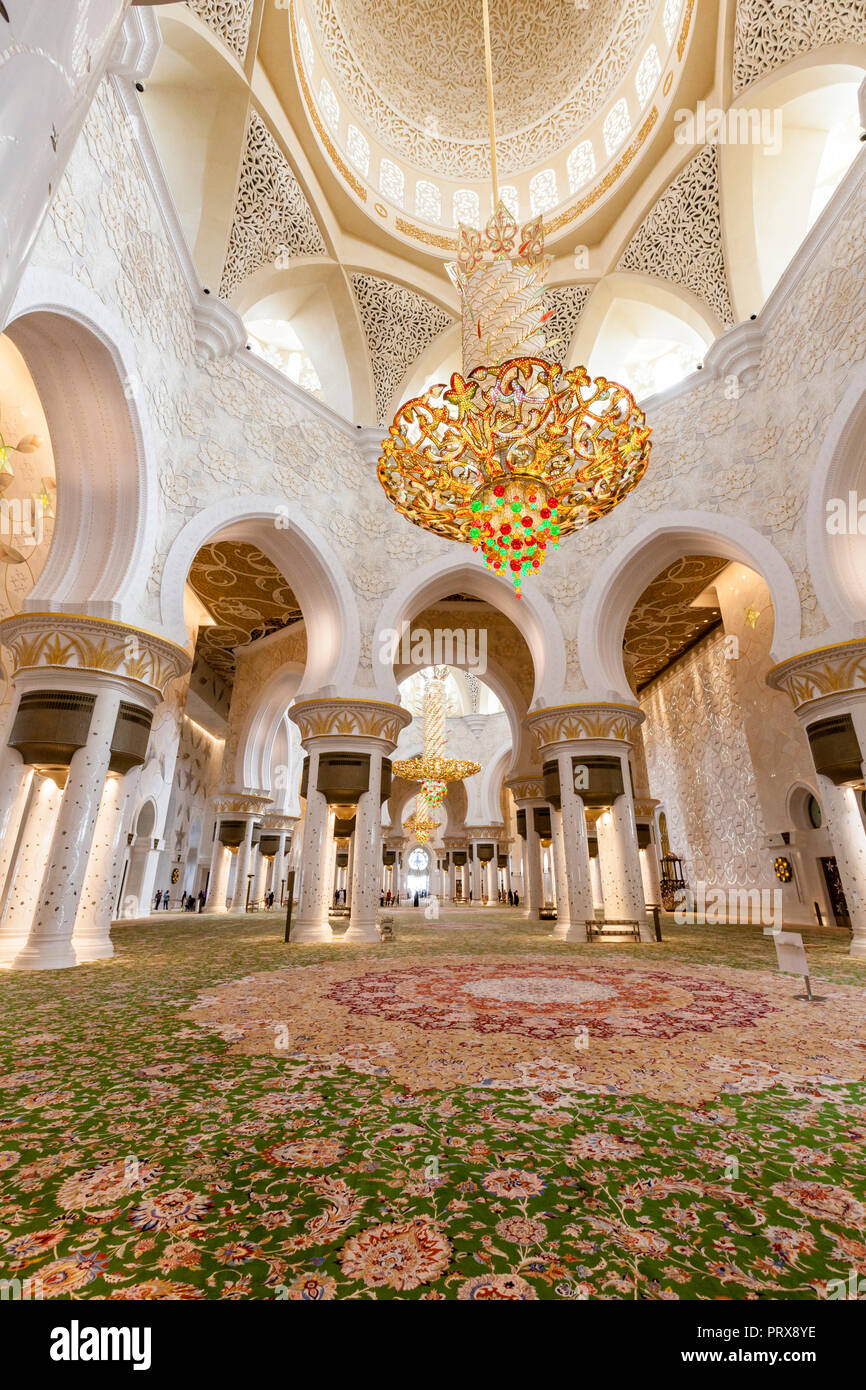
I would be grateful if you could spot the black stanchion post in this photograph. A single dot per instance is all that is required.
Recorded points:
(290, 893)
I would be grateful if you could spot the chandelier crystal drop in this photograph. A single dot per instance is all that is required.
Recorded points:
(516, 452)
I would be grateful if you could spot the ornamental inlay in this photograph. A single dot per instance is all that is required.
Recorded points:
(229, 20)
(824, 671)
(398, 325)
(42, 640)
(681, 237)
(551, 78)
(768, 34)
(272, 218)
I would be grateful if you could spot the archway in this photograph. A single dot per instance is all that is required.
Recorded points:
(836, 515)
(633, 564)
(83, 365)
(302, 556)
(532, 616)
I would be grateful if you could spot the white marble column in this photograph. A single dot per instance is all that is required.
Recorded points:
(91, 936)
(845, 826)
(595, 878)
(279, 871)
(26, 873)
(218, 886)
(49, 943)
(218, 878)
(15, 779)
(367, 857)
(621, 880)
(563, 907)
(242, 869)
(578, 874)
(650, 874)
(488, 880)
(533, 882)
(260, 868)
(314, 900)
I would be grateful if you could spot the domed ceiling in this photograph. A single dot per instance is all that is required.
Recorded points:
(413, 72)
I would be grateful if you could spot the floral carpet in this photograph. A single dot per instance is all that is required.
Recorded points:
(473, 1111)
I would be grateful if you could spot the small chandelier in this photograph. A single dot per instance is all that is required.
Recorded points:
(515, 452)
(433, 770)
(420, 825)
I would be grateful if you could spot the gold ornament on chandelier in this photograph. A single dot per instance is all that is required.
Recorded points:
(516, 452)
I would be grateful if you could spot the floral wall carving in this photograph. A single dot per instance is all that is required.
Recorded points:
(229, 20)
(568, 303)
(700, 769)
(681, 238)
(398, 325)
(592, 48)
(768, 34)
(272, 218)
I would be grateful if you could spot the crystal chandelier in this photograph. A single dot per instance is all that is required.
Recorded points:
(516, 452)
(433, 769)
(420, 826)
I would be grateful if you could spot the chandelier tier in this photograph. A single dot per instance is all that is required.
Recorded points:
(515, 452)
(433, 769)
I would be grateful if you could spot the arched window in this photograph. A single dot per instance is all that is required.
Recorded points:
(616, 126)
(648, 73)
(543, 193)
(428, 201)
(466, 208)
(358, 150)
(581, 165)
(392, 181)
(329, 104)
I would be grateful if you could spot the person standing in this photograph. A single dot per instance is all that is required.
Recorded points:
(201, 900)
(165, 898)
(157, 900)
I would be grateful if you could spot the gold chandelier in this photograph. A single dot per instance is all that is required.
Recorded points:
(420, 825)
(515, 452)
(433, 769)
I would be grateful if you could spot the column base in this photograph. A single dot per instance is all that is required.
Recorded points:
(311, 931)
(222, 909)
(10, 947)
(362, 931)
(575, 933)
(47, 956)
(858, 947)
(561, 931)
(92, 950)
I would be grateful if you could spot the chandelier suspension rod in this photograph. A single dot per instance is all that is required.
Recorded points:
(488, 63)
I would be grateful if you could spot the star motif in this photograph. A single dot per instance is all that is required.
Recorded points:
(752, 615)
